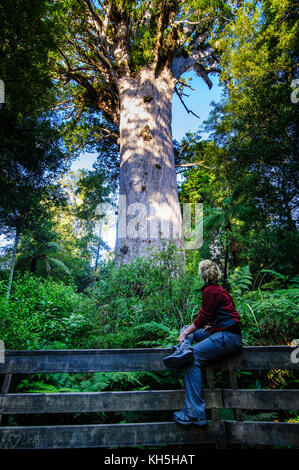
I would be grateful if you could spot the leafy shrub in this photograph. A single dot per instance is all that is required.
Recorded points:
(240, 281)
(43, 314)
(145, 291)
(142, 304)
(270, 317)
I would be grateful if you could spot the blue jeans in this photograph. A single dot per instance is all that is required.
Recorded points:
(209, 348)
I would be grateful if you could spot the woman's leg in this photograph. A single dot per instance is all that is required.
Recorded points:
(211, 348)
(201, 334)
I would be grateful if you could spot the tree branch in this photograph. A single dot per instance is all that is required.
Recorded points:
(94, 15)
(180, 64)
(191, 22)
(201, 72)
(181, 99)
(121, 52)
(183, 165)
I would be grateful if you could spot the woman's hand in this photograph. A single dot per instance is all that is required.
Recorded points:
(182, 337)
(186, 333)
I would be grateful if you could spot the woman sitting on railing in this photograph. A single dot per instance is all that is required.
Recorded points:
(221, 338)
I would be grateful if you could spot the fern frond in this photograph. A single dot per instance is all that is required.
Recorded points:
(59, 264)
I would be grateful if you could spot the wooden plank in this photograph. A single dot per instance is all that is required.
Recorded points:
(89, 402)
(156, 400)
(211, 385)
(103, 360)
(110, 435)
(154, 434)
(234, 385)
(261, 399)
(258, 358)
(262, 433)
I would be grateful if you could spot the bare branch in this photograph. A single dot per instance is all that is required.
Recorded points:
(191, 22)
(104, 60)
(186, 165)
(188, 110)
(183, 85)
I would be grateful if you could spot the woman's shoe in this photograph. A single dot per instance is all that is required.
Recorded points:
(180, 417)
(181, 357)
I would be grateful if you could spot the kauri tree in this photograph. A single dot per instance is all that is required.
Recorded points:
(122, 60)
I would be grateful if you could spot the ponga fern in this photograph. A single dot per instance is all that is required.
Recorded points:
(295, 281)
(276, 279)
(240, 281)
(41, 387)
(101, 381)
(156, 334)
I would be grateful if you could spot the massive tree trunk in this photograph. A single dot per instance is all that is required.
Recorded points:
(149, 212)
(104, 64)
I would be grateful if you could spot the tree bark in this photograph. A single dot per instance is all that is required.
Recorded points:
(234, 251)
(225, 266)
(149, 214)
(17, 238)
(97, 254)
(33, 265)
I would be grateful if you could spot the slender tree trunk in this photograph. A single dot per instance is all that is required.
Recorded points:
(149, 212)
(234, 251)
(47, 264)
(97, 255)
(33, 265)
(225, 265)
(12, 267)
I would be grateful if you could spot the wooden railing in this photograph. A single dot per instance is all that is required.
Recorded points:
(219, 432)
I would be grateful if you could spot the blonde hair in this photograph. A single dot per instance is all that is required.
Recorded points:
(209, 271)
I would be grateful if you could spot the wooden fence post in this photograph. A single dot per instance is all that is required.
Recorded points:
(234, 384)
(214, 413)
(4, 391)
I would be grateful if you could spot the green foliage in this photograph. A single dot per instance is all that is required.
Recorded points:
(240, 281)
(122, 310)
(143, 291)
(115, 381)
(137, 305)
(101, 42)
(156, 334)
(270, 416)
(31, 154)
(247, 174)
(42, 314)
(270, 317)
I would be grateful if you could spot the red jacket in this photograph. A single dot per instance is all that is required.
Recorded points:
(218, 309)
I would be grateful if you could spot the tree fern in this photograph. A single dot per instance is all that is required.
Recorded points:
(42, 387)
(160, 334)
(102, 381)
(240, 281)
(59, 264)
(295, 281)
